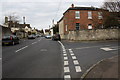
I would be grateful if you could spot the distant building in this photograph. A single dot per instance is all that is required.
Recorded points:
(5, 30)
(20, 30)
(47, 31)
(78, 18)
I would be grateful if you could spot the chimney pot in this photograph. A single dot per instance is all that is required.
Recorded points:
(72, 5)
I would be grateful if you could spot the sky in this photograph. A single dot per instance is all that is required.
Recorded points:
(41, 13)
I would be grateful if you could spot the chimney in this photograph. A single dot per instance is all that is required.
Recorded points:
(6, 19)
(72, 5)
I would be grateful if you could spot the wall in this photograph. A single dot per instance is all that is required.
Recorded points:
(99, 34)
(70, 21)
(61, 28)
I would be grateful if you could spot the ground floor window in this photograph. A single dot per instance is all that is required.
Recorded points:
(77, 26)
(89, 26)
(66, 28)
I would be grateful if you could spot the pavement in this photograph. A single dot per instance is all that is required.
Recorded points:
(107, 68)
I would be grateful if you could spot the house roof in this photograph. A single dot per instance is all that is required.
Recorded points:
(24, 25)
(47, 30)
(83, 8)
(60, 20)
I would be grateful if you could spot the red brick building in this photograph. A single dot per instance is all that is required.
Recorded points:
(78, 18)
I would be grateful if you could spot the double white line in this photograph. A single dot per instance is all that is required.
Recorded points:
(75, 61)
(66, 63)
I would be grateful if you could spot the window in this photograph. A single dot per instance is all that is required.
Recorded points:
(66, 29)
(77, 14)
(89, 26)
(77, 26)
(89, 15)
(100, 15)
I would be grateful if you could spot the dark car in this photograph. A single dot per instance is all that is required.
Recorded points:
(56, 37)
(10, 39)
(31, 36)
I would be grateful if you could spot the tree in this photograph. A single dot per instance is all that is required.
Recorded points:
(12, 20)
(55, 29)
(112, 5)
(111, 20)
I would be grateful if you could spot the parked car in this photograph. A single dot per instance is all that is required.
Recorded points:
(56, 37)
(10, 39)
(37, 35)
(31, 36)
(48, 36)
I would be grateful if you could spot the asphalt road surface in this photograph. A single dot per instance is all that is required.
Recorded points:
(44, 58)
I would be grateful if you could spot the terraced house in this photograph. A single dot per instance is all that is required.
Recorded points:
(80, 18)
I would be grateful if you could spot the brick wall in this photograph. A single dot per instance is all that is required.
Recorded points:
(70, 21)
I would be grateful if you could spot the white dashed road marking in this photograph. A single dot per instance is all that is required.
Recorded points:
(64, 54)
(78, 68)
(72, 54)
(66, 69)
(21, 49)
(75, 62)
(66, 63)
(34, 42)
(65, 58)
(74, 57)
(67, 77)
(0, 58)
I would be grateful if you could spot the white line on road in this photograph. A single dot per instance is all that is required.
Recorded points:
(21, 49)
(91, 47)
(67, 77)
(107, 49)
(78, 69)
(0, 58)
(70, 49)
(64, 54)
(34, 42)
(74, 57)
(66, 69)
(75, 62)
(72, 54)
(66, 63)
(65, 58)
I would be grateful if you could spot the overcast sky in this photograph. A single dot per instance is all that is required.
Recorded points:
(40, 13)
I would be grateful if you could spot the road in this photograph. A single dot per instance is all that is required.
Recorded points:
(44, 58)
(39, 58)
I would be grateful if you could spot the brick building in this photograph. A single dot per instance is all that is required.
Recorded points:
(78, 18)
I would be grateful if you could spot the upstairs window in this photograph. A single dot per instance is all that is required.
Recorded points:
(100, 15)
(89, 15)
(77, 14)
(77, 26)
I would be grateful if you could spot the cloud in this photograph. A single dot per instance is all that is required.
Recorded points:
(40, 13)
(51, 0)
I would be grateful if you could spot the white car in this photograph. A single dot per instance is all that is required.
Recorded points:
(48, 36)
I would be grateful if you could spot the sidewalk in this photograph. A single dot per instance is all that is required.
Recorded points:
(107, 68)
